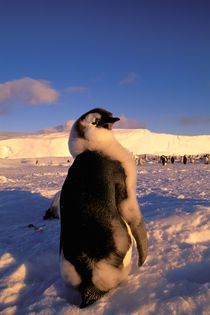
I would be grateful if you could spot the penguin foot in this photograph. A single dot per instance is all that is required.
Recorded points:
(90, 294)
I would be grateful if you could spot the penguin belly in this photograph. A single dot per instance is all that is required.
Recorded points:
(95, 245)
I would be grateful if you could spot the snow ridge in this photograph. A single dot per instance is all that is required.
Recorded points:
(138, 141)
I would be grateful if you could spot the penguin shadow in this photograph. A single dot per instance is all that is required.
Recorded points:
(19, 207)
(29, 254)
(29, 251)
(39, 282)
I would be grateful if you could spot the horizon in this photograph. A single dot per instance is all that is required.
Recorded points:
(48, 133)
(137, 141)
(43, 132)
(147, 62)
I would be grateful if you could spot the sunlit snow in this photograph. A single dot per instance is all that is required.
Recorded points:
(138, 141)
(174, 201)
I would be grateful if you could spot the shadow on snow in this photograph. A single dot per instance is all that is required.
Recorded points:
(156, 206)
(38, 250)
(32, 246)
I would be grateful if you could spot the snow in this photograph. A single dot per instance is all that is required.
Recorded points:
(174, 201)
(138, 141)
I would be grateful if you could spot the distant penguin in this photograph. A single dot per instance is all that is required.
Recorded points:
(172, 159)
(137, 160)
(206, 159)
(164, 159)
(185, 159)
(99, 211)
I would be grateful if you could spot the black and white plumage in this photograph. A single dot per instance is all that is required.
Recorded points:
(99, 212)
(164, 159)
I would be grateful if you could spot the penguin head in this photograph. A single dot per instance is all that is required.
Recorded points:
(94, 125)
(95, 118)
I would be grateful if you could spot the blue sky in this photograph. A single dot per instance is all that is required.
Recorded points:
(148, 60)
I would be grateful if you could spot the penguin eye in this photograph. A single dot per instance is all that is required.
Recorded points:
(95, 122)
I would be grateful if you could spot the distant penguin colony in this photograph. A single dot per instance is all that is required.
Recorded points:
(99, 212)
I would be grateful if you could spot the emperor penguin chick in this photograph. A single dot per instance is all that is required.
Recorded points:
(98, 209)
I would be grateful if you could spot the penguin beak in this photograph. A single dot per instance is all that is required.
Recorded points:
(114, 119)
(107, 122)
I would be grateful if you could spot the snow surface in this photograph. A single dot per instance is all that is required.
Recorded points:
(138, 141)
(175, 279)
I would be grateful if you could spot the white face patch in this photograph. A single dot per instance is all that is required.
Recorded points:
(90, 119)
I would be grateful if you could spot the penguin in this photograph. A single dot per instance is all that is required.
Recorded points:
(164, 159)
(172, 159)
(185, 159)
(99, 213)
(206, 159)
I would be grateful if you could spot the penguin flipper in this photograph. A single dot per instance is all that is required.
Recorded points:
(140, 236)
(131, 213)
(90, 294)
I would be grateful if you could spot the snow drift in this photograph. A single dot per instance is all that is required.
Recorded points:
(138, 141)
(175, 278)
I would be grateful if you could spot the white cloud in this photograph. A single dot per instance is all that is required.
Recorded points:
(131, 78)
(26, 91)
(65, 127)
(126, 123)
(77, 89)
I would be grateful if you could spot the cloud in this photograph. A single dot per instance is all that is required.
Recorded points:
(126, 123)
(26, 91)
(192, 120)
(65, 127)
(77, 89)
(131, 78)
